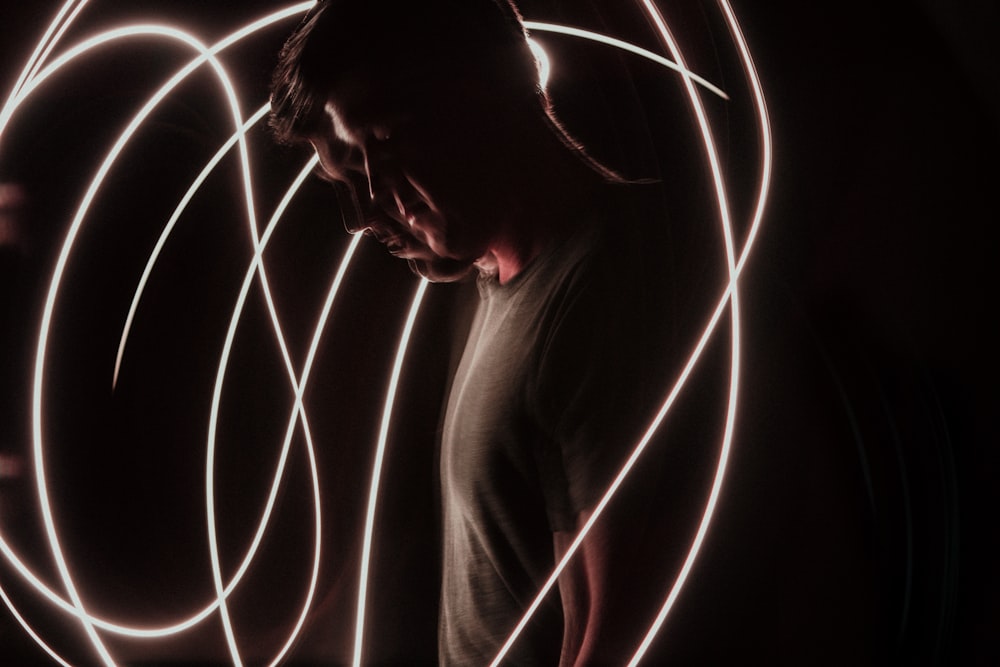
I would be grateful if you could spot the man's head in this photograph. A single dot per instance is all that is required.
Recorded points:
(419, 109)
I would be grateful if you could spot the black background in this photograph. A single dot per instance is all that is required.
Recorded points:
(857, 522)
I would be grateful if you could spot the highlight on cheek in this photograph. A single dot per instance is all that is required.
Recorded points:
(229, 558)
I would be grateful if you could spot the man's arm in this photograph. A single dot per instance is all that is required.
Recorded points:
(605, 598)
(582, 589)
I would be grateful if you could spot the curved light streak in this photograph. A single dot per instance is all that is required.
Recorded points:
(190, 622)
(734, 301)
(57, 37)
(34, 74)
(689, 76)
(31, 632)
(254, 269)
(730, 296)
(307, 368)
(625, 46)
(543, 61)
(165, 630)
(22, 90)
(169, 228)
(76, 225)
(383, 437)
(760, 106)
(297, 413)
(42, 49)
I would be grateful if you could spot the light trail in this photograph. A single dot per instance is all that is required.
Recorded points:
(63, 27)
(734, 383)
(760, 106)
(64, 255)
(37, 70)
(255, 269)
(544, 63)
(52, 35)
(24, 87)
(29, 630)
(300, 409)
(383, 438)
(730, 296)
(625, 46)
(169, 228)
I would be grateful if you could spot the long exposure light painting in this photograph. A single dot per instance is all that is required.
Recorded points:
(49, 57)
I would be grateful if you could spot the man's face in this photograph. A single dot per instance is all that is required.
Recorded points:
(421, 168)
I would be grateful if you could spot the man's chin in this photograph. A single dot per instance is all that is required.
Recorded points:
(442, 270)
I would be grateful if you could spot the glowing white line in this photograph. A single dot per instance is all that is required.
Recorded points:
(734, 301)
(383, 437)
(63, 259)
(345, 262)
(298, 411)
(624, 46)
(159, 632)
(173, 629)
(149, 30)
(31, 633)
(37, 57)
(252, 270)
(169, 227)
(248, 189)
(58, 36)
(765, 129)
(256, 267)
(731, 296)
(544, 63)
(320, 326)
(307, 368)
(31, 78)
(689, 76)
(597, 37)
(60, 266)
(734, 271)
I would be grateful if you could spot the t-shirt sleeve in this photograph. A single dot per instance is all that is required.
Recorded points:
(590, 394)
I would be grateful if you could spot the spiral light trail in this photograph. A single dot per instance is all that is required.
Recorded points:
(48, 58)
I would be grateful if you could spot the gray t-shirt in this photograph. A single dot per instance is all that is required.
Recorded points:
(540, 417)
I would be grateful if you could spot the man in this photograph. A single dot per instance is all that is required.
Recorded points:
(430, 116)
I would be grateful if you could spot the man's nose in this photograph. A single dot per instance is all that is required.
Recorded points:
(383, 181)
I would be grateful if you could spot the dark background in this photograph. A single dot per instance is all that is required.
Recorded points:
(856, 526)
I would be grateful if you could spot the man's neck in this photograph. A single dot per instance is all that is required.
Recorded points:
(558, 191)
(508, 263)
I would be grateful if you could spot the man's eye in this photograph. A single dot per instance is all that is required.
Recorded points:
(381, 134)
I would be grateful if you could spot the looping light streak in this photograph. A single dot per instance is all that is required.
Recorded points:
(256, 268)
(625, 46)
(51, 37)
(383, 438)
(64, 255)
(735, 269)
(169, 228)
(543, 61)
(28, 629)
(38, 69)
(27, 84)
(730, 296)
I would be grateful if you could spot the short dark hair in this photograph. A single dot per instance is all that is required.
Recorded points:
(338, 36)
